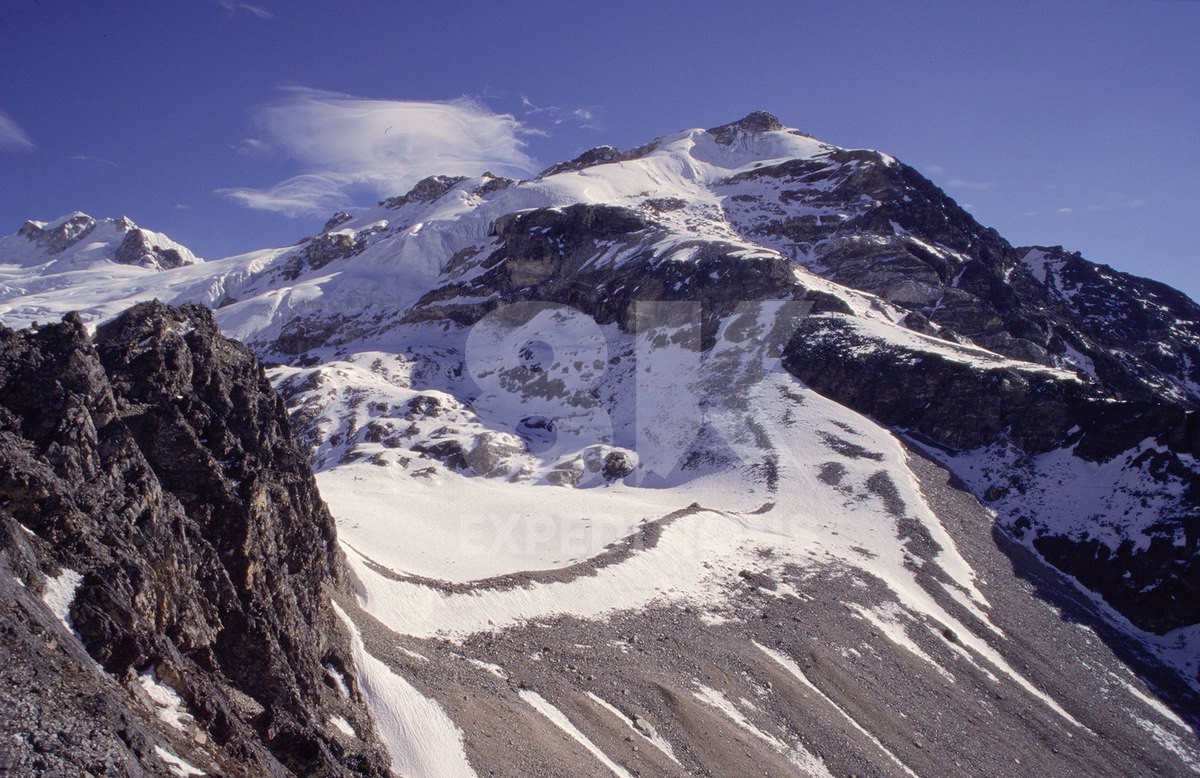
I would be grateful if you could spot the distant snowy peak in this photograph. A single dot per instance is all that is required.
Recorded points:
(78, 239)
(59, 234)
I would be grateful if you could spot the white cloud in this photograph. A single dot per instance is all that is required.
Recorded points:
(351, 146)
(12, 136)
(254, 10)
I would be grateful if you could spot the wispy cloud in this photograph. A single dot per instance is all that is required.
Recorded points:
(559, 115)
(12, 136)
(254, 147)
(234, 8)
(84, 158)
(352, 146)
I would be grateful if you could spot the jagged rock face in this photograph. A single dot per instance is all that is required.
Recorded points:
(1142, 332)
(156, 464)
(864, 220)
(550, 255)
(426, 190)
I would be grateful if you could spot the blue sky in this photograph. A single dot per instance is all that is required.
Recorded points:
(232, 125)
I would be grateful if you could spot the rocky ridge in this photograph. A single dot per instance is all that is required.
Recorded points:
(153, 500)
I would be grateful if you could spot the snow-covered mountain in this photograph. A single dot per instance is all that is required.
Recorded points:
(732, 432)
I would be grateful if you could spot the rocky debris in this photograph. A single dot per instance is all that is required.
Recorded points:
(155, 466)
(639, 683)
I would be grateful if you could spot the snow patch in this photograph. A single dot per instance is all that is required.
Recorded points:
(176, 765)
(558, 719)
(60, 593)
(420, 738)
(657, 740)
(812, 764)
(343, 726)
(794, 670)
(168, 705)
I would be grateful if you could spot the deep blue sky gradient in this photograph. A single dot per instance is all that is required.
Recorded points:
(1073, 122)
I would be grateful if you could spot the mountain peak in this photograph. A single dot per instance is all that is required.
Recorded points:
(119, 240)
(759, 121)
(57, 235)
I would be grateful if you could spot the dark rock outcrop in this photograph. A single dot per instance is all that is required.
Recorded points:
(759, 121)
(425, 191)
(149, 481)
(871, 223)
(138, 249)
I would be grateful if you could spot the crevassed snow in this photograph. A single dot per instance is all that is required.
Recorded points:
(419, 736)
(556, 717)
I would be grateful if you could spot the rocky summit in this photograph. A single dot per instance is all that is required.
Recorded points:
(734, 453)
